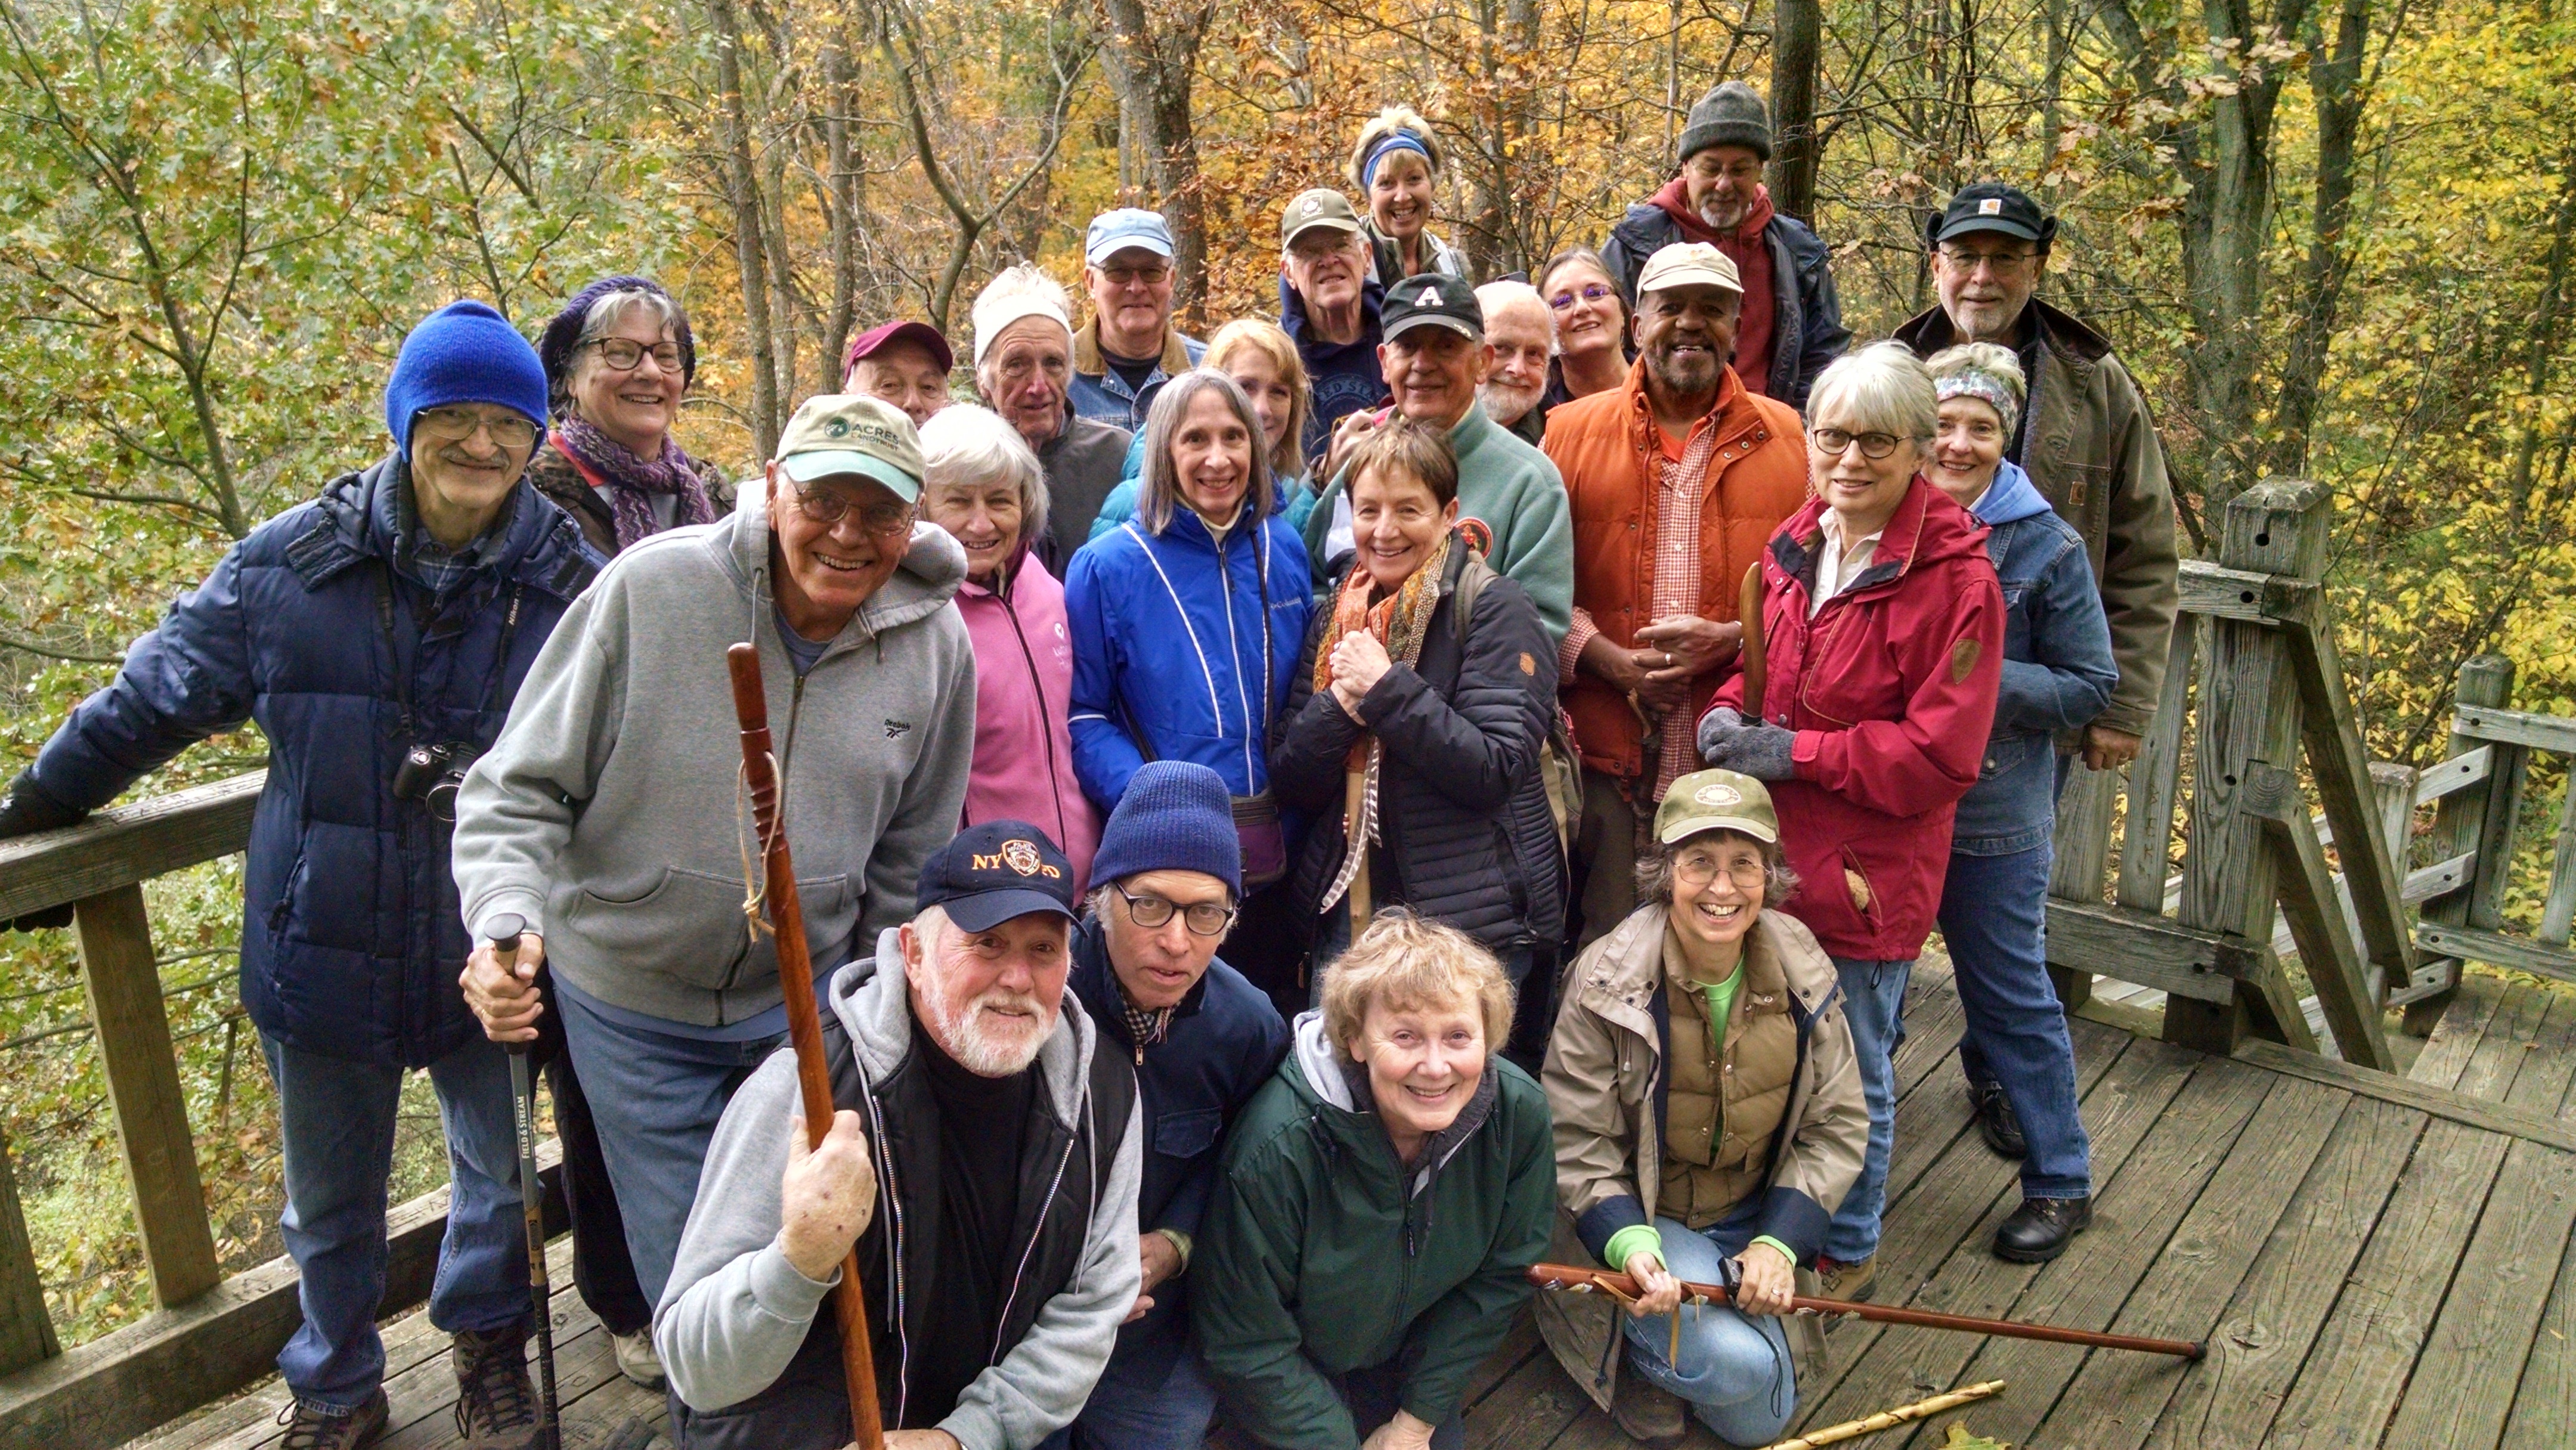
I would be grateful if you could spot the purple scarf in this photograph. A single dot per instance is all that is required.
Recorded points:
(632, 482)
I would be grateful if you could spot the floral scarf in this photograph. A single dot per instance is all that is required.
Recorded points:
(1400, 621)
(631, 482)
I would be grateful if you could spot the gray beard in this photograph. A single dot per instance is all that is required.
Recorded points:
(1507, 405)
(1725, 217)
(963, 1037)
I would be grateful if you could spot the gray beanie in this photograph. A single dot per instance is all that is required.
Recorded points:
(1730, 115)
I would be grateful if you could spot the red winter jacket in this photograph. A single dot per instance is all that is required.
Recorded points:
(1891, 688)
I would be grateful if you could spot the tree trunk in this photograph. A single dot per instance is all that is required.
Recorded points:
(2542, 356)
(1151, 58)
(2335, 77)
(742, 193)
(1797, 29)
(843, 193)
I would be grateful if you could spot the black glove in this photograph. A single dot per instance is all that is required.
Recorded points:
(24, 811)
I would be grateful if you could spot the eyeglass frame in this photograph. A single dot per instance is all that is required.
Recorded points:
(1588, 292)
(1692, 881)
(1997, 262)
(1134, 914)
(1816, 437)
(838, 508)
(428, 418)
(642, 351)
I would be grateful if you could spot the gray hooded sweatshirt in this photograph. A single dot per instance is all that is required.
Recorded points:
(606, 813)
(736, 1310)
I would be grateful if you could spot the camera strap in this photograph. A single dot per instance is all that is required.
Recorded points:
(384, 575)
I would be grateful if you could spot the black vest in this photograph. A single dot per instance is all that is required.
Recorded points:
(807, 1407)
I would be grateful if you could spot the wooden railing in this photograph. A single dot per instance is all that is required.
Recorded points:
(2257, 639)
(209, 1335)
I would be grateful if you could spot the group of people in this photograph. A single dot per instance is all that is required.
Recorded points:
(1568, 705)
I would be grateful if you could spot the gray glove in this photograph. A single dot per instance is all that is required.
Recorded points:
(1715, 726)
(1760, 751)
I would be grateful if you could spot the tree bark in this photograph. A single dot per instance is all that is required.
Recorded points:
(2541, 357)
(1797, 29)
(1152, 59)
(2335, 78)
(742, 193)
(843, 192)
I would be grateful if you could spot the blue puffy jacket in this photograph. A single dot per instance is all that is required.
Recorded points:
(351, 938)
(1176, 657)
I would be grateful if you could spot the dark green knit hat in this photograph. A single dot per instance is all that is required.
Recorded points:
(1731, 115)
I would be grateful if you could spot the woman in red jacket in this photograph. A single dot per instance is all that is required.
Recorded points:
(1883, 632)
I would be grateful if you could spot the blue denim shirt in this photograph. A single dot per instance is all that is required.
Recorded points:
(2058, 672)
(1099, 392)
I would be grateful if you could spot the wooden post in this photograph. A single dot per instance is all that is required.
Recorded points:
(26, 1331)
(2249, 715)
(143, 1082)
(2316, 917)
(2155, 780)
(2460, 824)
(2346, 788)
(2082, 854)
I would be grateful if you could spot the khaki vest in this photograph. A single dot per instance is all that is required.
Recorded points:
(1720, 1114)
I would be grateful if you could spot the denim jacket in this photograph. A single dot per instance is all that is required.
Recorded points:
(2058, 672)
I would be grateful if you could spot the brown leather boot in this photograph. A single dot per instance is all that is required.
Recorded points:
(1847, 1282)
(319, 1427)
(1649, 1413)
(496, 1406)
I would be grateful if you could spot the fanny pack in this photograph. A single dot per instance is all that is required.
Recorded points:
(1265, 842)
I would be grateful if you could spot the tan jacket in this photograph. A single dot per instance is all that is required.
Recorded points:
(1604, 1076)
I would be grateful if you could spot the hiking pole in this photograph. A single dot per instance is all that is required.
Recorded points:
(1889, 1419)
(1620, 1286)
(804, 1022)
(506, 931)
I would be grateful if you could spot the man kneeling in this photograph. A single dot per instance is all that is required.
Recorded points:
(1000, 1255)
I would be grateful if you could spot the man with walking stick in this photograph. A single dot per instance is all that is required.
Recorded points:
(984, 1160)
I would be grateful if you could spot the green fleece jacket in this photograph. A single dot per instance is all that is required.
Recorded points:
(1321, 1255)
(1513, 489)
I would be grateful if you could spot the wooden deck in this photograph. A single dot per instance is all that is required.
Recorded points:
(2376, 1261)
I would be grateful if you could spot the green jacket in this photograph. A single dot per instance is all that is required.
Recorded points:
(1318, 1258)
(1509, 485)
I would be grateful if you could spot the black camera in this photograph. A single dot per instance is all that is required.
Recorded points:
(432, 774)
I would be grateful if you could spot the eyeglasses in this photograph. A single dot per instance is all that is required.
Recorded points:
(455, 425)
(624, 354)
(1592, 292)
(1204, 918)
(1694, 872)
(1123, 276)
(1832, 441)
(827, 508)
(1968, 259)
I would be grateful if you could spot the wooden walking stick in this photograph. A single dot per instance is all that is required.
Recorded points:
(506, 931)
(804, 1022)
(1620, 1286)
(1748, 610)
(1889, 1419)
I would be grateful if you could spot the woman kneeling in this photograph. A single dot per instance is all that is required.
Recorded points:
(1381, 1201)
(1708, 1107)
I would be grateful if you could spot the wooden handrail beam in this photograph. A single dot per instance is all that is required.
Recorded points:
(129, 845)
(2516, 727)
(2247, 596)
(2457, 773)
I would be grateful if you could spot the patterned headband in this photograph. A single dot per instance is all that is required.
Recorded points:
(1983, 386)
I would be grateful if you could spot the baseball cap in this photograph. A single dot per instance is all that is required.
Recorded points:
(1991, 206)
(920, 334)
(1321, 207)
(1716, 800)
(1689, 264)
(852, 433)
(1432, 299)
(995, 871)
(1128, 226)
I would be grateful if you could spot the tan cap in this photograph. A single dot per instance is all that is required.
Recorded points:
(1322, 207)
(1687, 264)
(1716, 800)
(850, 433)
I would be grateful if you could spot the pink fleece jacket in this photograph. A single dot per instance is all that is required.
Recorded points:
(1023, 694)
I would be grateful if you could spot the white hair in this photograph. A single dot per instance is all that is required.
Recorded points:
(1020, 291)
(1500, 296)
(1882, 388)
(966, 444)
(958, 1029)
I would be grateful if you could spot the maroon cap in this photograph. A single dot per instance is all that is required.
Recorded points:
(867, 343)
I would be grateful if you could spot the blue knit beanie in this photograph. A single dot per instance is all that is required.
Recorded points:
(463, 353)
(1174, 817)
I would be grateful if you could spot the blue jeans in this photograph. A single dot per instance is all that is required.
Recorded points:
(1874, 1005)
(656, 1098)
(1994, 915)
(1133, 1410)
(338, 1118)
(1735, 1368)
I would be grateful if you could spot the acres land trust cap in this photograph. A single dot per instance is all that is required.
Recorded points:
(850, 433)
(1716, 800)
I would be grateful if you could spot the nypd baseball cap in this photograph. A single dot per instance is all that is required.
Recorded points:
(1716, 800)
(1321, 207)
(1992, 206)
(1432, 299)
(846, 433)
(995, 871)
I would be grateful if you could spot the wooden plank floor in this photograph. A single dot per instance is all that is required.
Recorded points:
(2368, 1272)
